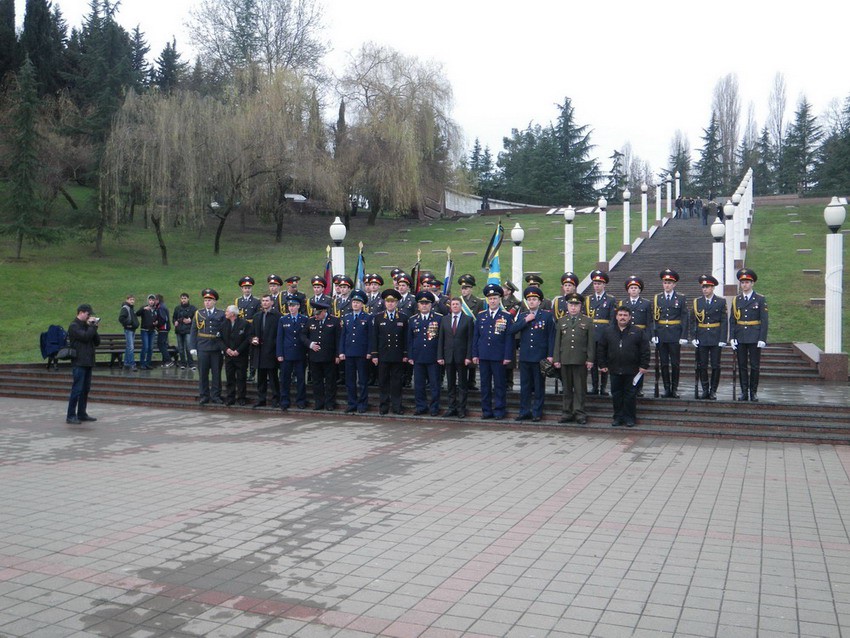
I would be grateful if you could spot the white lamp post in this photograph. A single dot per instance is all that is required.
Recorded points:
(643, 201)
(658, 205)
(833, 215)
(569, 238)
(602, 264)
(517, 235)
(627, 221)
(739, 230)
(718, 230)
(730, 288)
(338, 231)
(669, 194)
(678, 185)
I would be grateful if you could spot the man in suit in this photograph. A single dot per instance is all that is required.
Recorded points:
(709, 334)
(422, 333)
(292, 354)
(236, 337)
(389, 352)
(574, 354)
(321, 336)
(264, 340)
(205, 343)
(454, 352)
(600, 306)
(354, 351)
(492, 350)
(748, 333)
(536, 330)
(670, 330)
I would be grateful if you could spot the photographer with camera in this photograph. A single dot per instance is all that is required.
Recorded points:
(83, 339)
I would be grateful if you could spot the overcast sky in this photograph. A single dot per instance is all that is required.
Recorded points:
(635, 71)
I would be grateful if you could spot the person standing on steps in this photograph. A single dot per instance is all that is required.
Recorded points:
(709, 334)
(669, 330)
(748, 333)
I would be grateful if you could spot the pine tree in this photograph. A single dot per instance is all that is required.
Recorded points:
(141, 70)
(43, 39)
(833, 166)
(8, 39)
(613, 189)
(708, 169)
(169, 71)
(799, 153)
(764, 170)
(578, 172)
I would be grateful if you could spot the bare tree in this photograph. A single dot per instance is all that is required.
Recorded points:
(776, 114)
(726, 106)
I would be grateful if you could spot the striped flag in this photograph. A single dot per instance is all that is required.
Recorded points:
(360, 272)
(491, 263)
(450, 273)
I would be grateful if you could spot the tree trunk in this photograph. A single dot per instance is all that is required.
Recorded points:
(373, 215)
(67, 196)
(278, 228)
(222, 220)
(20, 245)
(163, 250)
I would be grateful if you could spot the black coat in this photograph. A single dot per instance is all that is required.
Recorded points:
(326, 334)
(265, 353)
(622, 352)
(84, 339)
(455, 348)
(388, 339)
(237, 336)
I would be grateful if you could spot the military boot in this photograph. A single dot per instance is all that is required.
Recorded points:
(754, 385)
(715, 382)
(674, 386)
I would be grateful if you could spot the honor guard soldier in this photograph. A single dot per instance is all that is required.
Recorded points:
(509, 301)
(373, 284)
(423, 331)
(601, 308)
(406, 301)
(574, 354)
(492, 350)
(748, 333)
(534, 279)
(292, 291)
(394, 273)
(342, 302)
(569, 282)
(205, 343)
(441, 303)
(471, 306)
(321, 336)
(709, 334)
(318, 284)
(389, 351)
(641, 311)
(248, 306)
(670, 330)
(275, 283)
(292, 354)
(536, 330)
(354, 352)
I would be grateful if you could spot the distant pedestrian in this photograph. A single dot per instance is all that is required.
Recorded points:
(163, 327)
(182, 320)
(148, 319)
(83, 338)
(130, 322)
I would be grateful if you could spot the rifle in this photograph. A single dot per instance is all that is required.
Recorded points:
(734, 375)
(657, 370)
(696, 373)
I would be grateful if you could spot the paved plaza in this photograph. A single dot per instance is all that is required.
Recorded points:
(156, 522)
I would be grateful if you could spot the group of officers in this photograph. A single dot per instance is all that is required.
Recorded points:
(392, 336)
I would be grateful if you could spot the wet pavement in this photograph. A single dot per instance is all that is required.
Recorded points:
(155, 522)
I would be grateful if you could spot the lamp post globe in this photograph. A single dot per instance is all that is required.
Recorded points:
(834, 215)
(718, 230)
(517, 234)
(569, 214)
(337, 231)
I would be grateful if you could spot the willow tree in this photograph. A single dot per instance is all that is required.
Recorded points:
(398, 141)
(197, 159)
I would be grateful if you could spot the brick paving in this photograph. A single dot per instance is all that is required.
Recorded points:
(178, 523)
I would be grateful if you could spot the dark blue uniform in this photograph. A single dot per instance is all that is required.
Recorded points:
(601, 310)
(536, 342)
(325, 334)
(709, 327)
(294, 353)
(354, 344)
(422, 339)
(670, 325)
(492, 345)
(748, 326)
(389, 346)
(206, 339)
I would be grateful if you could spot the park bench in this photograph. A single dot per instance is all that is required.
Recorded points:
(113, 345)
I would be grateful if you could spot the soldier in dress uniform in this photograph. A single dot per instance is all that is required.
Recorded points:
(292, 354)
(601, 307)
(389, 351)
(536, 330)
(318, 284)
(471, 306)
(321, 336)
(373, 284)
(354, 352)
(534, 279)
(441, 303)
(292, 291)
(641, 308)
(205, 343)
(574, 354)
(407, 301)
(709, 334)
(248, 305)
(670, 330)
(342, 302)
(492, 350)
(569, 282)
(748, 333)
(423, 331)
(275, 282)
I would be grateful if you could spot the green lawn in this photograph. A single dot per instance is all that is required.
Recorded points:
(47, 285)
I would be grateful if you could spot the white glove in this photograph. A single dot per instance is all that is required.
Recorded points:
(734, 343)
(654, 341)
(761, 344)
(696, 343)
(722, 344)
(194, 353)
(683, 342)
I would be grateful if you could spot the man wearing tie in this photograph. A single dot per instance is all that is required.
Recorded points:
(641, 311)
(536, 329)
(574, 354)
(354, 351)
(292, 354)
(454, 351)
(600, 307)
(669, 330)
(318, 284)
(388, 344)
(709, 334)
(205, 343)
(748, 333)
(492, 351)
(321, 336)
(422, 333)
(264, 340)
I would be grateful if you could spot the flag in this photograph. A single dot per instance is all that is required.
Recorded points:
(360, 273)
(414, 273)
(329, 276)
(491, 263)
(465, 308)
(450, 273)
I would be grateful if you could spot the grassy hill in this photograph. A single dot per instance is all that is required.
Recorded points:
(46, 286)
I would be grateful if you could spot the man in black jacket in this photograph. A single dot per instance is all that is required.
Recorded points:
(623, 352)
(83, 338)
(236, 337)
(182, 320)
(454, 351)
(264, 340)
(130, 322)
(321, 336)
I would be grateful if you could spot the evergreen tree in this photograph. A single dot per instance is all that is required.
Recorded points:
(475, 163)
(8, 38)
(487, 178)
(43, 39)
(764, 169)
(579, 173)
(680, 160)
(708, 169)
(800, 151)
(613, 188)
(833, 166)
(169, 71)
(141, 70)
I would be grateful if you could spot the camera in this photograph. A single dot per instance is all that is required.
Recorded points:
(94, 320)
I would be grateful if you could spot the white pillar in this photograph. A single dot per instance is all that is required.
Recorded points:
(739, 230)
(833, 215)
(730, 287)
(658, 205)
(569, 238)
(517, 235)
(717, 233)
(603, 233)
(643, 214)
(338, 232)
(627, 221)
(678, 185)
(669, 195)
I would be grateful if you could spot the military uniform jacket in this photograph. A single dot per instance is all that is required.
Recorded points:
(559, 307)
(340, 306)
(455, 347)
(237, 336)
(324, 332)
(642, 315)
(748, 321)
(443, 305)
(322, 298)
(622, 351)
(536, 338)
(709, 323)
(601, 311)
(388, 339)
(248, 307)
(670, 317)
(206, 330)
(354, 334)
(422, 337)
(407, 305)
(474, 304)
(266, 332)
(289, 344)
(301, 298)
(575, 340)
(491, 340)
(513, 305)
(375, 305)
